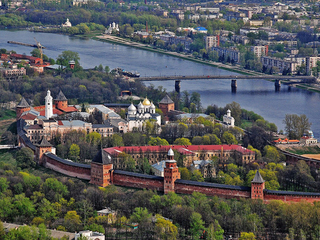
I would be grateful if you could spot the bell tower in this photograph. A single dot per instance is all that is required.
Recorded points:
(171, 173)
(48, 105)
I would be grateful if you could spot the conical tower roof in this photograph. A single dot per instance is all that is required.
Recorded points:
(102, 157)
(43, 143)
(61, 97)
(257, 178)
(23, 103)
(166, 100)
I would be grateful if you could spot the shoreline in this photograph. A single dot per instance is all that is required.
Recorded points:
(129, 43)
(231, 68)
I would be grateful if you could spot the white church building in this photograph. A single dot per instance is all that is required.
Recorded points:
(228, 119)
(136, 117)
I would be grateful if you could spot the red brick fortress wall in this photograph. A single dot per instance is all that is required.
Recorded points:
(82, 171)
(287, 196)
(137, 180)
(211, 189)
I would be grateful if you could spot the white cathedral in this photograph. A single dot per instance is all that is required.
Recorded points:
(146, 111)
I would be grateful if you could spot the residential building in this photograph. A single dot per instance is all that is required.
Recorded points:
(205, 167)
(281, 64)
(212, 41)
(228, 54)
(259, 51)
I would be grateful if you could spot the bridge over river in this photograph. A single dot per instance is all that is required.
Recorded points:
(276, 78)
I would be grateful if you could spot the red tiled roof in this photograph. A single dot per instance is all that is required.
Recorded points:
(70, 109)
(186, 150)
(55, 111)
(60, 123)
(36, 126)
(29, 116)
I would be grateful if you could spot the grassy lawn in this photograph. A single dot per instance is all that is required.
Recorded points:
(245, 124)
(7, 114)
(305, 150)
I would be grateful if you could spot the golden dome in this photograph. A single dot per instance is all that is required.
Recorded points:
(146, 102)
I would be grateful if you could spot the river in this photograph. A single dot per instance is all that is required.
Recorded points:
(254, 95)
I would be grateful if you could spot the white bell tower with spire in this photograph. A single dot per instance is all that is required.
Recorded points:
(49, 108)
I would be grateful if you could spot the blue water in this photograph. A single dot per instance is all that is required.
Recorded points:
(255, 95)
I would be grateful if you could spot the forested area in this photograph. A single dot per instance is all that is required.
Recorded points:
(30, 196)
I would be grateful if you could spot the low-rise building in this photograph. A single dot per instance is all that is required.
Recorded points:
(206, 168)
(89, 235)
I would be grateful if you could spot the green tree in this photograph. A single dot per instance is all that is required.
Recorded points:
(2, 231)
(117, 140)
(157, 141)
(196, 225)
(247, 236)
(67, 56)
(271, 153)
(214, 231)
(166, 229)
(52, 184)
(197, 176)
(72, 221)
(228, 138)
(44, 233)
(25, 158)
(296, 125)
(182, 141)
(4, 184)
(185, 173)
(74, 151)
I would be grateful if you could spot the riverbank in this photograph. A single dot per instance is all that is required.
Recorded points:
(189, 57)
(233, 68)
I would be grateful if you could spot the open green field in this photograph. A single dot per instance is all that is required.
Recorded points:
(304, 150)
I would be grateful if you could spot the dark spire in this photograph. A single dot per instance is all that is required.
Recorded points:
(257, 178)
(102, 157)
(166, 100)
(61, 97)
(23, 103)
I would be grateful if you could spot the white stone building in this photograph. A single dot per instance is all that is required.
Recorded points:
(67, 23)
(228, 119)
(136, 117)
(112, 26)
(87, 234)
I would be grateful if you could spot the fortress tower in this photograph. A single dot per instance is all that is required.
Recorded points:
(101, 169)
(171, 173)
(166, 105)
(48, 105)
(42, 147)
(22, 107)
(61, 102)
(257, 186)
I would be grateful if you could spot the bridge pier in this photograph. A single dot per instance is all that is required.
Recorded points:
(233, 85)
(277, 84)
(177, 86)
